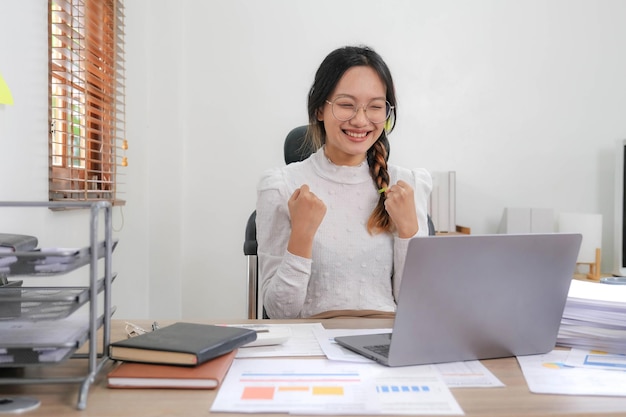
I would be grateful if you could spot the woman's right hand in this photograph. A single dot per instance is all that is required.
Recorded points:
(307, 212)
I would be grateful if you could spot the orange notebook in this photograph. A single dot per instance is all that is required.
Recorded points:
(208, 375)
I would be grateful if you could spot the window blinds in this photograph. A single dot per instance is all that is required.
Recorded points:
(87, 142)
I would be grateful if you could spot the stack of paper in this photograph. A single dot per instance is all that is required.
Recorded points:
(31, 342)
(594, 317)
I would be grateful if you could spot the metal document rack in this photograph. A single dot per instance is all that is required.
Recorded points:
(51, 305)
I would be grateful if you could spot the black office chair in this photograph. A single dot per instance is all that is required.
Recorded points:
(295, 149)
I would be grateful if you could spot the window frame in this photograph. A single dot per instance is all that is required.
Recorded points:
(87, 144)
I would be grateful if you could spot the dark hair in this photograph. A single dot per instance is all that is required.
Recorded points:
(326, 79)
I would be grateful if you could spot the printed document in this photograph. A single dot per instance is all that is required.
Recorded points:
(549, 374)
(301, 343)
(321, 386)
(594, 359)
(455, 374)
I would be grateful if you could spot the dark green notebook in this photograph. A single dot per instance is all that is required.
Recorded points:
(181, 344)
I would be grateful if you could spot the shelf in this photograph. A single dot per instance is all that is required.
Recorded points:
(56, 342)
(40, 326)
(43, 303)
(50, 261)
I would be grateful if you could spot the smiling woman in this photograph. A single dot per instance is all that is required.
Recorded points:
(333, 230)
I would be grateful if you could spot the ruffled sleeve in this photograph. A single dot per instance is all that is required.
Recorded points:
(422, 184)
(283, 277)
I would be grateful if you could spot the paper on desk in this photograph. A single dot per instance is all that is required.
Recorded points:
(40, 341)
(46, 333)
(548, 374)
(467, 374)
(321, 386)
(301, 343)
(601, 293)
(7, 260)
(455, 374)
(596, 360)
(333, 351)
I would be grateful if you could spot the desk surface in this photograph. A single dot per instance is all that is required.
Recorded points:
(512, 400)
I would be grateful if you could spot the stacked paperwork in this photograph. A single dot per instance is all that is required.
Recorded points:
(594, 317)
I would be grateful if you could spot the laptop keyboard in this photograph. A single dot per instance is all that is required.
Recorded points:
(382, 350)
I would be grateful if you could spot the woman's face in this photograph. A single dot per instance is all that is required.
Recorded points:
(347, 142)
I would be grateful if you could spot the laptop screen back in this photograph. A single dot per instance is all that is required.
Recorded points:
(482, 296)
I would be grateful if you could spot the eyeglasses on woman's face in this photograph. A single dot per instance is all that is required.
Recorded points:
(345, 108)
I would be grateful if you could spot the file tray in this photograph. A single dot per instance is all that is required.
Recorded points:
(43, 303)
(10, 309)
(38, 345)
(50, 261)
(42, 343)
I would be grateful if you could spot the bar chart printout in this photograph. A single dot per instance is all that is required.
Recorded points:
(322, 386)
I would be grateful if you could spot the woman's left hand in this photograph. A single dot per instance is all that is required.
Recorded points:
(400, 204)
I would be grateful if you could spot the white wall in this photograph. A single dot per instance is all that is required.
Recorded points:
(524, 99)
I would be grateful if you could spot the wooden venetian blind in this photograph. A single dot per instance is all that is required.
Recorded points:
(87, 142)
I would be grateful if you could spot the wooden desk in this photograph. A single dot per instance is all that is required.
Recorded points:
(512, 400)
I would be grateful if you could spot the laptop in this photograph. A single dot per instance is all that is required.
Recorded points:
(468, 297)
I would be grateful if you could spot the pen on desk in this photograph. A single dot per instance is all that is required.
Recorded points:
(262, 331)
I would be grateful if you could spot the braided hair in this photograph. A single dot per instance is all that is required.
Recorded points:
(326, 78)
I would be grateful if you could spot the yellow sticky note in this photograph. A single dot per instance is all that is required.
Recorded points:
(5, 93)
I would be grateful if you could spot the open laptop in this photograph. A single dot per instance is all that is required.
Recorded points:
(476, 297)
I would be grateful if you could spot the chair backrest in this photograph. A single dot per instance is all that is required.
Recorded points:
(295, 149)
(250, 251)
